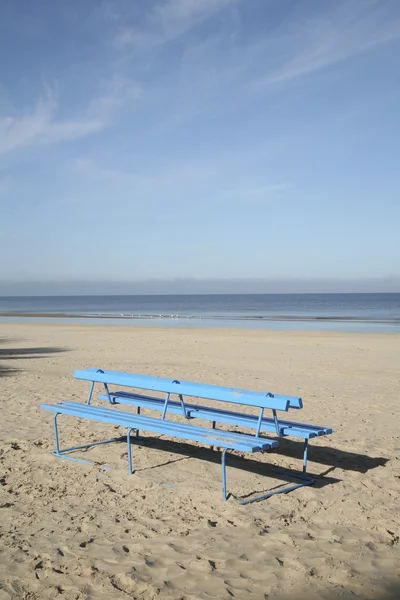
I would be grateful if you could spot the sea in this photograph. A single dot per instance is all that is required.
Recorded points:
(334, 312)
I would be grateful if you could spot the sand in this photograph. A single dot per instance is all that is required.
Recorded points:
(72, 531)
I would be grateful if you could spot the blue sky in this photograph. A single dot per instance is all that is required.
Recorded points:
(206, 139)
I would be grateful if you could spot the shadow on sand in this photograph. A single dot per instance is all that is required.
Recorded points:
(333, 457)
(337, 458)
(9, 354)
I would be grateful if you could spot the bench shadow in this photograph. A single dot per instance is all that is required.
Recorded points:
(333, 457)
(10, 354)
(213, 456)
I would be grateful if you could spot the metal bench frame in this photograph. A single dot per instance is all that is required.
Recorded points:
(225, 439)
(217, 437)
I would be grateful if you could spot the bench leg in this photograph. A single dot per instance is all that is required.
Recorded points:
(305, 480)
(213, 427)
(128, 441)
(138, 412)
(305, 456)
(62, 453)
(57, 451)
(223, 465)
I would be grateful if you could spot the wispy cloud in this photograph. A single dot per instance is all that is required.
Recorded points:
(346, 30)
(216, 71)
(218, 64)
(169, 20)
(117, 93)
(43, 125)
(226, 60)
(185, 114)
(179, 183)
(254, 193)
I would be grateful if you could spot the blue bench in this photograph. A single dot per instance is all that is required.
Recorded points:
(215, 437)
(281, 428)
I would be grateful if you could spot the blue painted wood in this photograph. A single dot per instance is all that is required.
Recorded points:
(187, 388)
(225, 439)
(287, 428)
(214, 437)
(294, 401)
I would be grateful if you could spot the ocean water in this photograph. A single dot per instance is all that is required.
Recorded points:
(342, 312)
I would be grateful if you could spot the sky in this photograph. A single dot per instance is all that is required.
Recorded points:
(218, 141)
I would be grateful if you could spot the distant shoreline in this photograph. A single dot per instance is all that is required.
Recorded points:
(289, 318)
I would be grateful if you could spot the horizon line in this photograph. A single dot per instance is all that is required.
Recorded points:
(337, 293)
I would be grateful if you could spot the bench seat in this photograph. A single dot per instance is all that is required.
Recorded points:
(227, 440)
(215, 437)
(286, 428)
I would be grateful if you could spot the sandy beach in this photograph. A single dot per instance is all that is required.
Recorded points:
(77, 532)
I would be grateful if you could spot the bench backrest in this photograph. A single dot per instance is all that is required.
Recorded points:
(188, 388)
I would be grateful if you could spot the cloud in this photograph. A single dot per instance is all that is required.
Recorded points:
(164, 176)
(254, 193)
(41, 125)
(169, 20)
(230, 61)
(347, 30)
(19, 286)
(295, 48)
(118, 92)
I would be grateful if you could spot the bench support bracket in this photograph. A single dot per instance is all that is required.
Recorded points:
(304, 480)
(61, 453)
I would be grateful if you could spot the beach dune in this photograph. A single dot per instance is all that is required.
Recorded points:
(73, 531)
